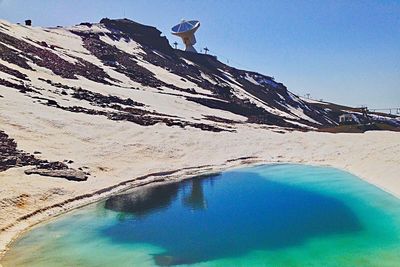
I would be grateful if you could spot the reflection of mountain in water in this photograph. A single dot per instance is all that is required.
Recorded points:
(195, 199)
(143, 202)
(148, 200)
(241, 216)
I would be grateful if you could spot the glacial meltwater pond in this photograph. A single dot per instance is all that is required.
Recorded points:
(272, 215)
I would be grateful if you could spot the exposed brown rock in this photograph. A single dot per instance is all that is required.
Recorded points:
(11, 157)
(69, 174)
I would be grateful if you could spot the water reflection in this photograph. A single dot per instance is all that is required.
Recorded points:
(195, 200)
(197, 221)
(143, 202)
(155, 198)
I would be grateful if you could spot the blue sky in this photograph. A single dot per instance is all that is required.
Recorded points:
(341, 51)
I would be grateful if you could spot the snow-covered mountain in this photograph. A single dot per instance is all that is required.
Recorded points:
(113, 106)
(124, 70)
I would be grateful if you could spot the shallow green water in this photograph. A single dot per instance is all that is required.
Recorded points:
(273, 215)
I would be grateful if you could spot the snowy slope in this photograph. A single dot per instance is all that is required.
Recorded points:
(122, 70)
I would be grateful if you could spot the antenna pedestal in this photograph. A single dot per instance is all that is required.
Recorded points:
(186, 30)
(190, 48)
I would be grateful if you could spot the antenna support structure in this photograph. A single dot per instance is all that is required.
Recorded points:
(185, 30)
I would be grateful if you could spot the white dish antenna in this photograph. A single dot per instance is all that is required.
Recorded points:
(186, 30)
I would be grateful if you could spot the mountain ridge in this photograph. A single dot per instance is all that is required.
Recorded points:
(121, 52)
(88, 111)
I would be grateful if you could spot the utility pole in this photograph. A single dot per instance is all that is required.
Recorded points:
(175, 45)
(206, 50)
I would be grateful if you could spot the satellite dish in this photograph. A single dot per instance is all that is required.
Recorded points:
(186, 30)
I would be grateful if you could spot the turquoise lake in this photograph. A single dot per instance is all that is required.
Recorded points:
(270, 215)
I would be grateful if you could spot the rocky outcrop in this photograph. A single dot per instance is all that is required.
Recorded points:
(144, 34)
(11, 157)
(69, 174)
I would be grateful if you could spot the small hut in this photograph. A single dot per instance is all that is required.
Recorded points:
(348, 118)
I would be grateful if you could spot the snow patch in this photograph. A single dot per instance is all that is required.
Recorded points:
(128, 46)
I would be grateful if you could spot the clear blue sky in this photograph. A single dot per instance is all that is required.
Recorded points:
(341, 51)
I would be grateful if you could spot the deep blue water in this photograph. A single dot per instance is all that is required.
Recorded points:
(219, 217)
(274, 215)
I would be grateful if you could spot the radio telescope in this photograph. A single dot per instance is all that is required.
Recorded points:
(186, 30)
